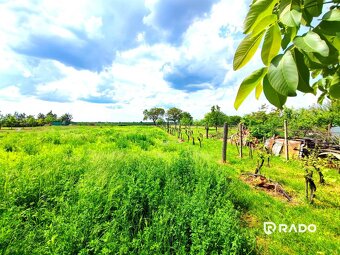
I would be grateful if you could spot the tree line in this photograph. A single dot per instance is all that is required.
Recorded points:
(312, 121)
(214, 118)
(23, 120)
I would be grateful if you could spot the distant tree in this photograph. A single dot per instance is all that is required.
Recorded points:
(215, 117)
(31, 121)
(153, 114)
(234, 120)
(41, 119)
(159, 122)
(50, 117)
(20, 119)
(263, 124)
(10, 121)
(186, 119)
(66, 119)
(174, 114)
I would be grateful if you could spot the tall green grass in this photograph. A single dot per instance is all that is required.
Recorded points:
(114, 191)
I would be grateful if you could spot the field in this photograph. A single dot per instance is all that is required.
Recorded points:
(138, 190)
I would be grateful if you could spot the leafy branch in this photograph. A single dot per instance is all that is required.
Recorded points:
(291, 60)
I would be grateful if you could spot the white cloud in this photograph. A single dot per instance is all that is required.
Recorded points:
(135, 79)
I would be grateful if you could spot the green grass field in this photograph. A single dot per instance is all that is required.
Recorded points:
(138, 190)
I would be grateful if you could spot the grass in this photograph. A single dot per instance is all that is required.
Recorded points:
(138, 190)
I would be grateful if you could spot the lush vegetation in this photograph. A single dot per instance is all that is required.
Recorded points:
(113, 191)
(138, 190)
(23, 120)
(301, 41)
(314, 121)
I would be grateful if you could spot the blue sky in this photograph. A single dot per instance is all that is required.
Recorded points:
(109, 60)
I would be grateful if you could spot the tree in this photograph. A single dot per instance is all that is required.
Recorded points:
(10, 121)
(153, 114)
(50, 117)
(174, 114)
(66, 119)
(186, 119)
(234, 120)
(215, 117)
(291, 58)
(31, 121)
(41, 119)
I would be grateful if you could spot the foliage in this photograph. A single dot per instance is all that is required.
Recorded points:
(112, 191)
(154, 114)
(186, 119)
(174, 114)
(215, 117)
(301, 40)
(312, 121)
(23, 120)
(262, 124)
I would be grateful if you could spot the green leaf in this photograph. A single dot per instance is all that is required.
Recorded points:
(311, 42)
(290, 14)
(303, 72)
(313, 7)
(264, 23)
(272, 96)
(289, 35)
(334, 90)
(333, 15)
(257, 11)
(258, 90)
(246, 50)
(248, 84)
(271, 44)
(283, 74)
(322, 97)
(329, 27)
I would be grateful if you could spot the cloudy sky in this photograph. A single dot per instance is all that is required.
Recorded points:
(108, 60)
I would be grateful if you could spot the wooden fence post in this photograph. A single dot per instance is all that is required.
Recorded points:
(207, 132)
(286, 139)
(241, 139)
(224, 146)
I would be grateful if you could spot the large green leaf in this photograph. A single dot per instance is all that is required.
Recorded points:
(271, 44)
(249, 84)
(257, 11)
(246, 50)
(290, 14)
(283, 74)
(332, 15)
(313, 7)
(334, 90)
(289, 35)
(303, 72)
(311, 42)
(264, 23)
(272, 96)
(258, 90)
(291, 18)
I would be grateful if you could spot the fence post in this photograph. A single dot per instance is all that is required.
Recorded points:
(241, 139)
(206, 132)
(224, 146)
(286, 139)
